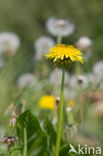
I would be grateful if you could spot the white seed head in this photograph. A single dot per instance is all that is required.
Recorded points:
(84, 43)
(79, 81)
(59, 27)
(42, 45)
(9, 42)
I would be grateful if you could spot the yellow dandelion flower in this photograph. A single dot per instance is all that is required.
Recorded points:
(47, 102)
(63, 53)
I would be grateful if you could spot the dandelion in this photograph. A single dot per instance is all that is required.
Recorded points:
(62, 54)
(42, 45)
(26, 79)
(9, 42)
(79, 81)
(47, 102)
(84, 43)
(60, 27)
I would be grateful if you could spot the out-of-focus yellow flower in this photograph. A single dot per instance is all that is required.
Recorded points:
(71, 103)
(47, 102)
(64, 53)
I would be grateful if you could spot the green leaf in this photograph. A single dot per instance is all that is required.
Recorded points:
(51, 134)
(36, 138)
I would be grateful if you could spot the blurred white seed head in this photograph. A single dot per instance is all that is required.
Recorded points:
(84, 43)
(59, 27)
(55, 77)
(98, 71)
(79, 81)
(42, 45)
(26, 79)
(9, 42)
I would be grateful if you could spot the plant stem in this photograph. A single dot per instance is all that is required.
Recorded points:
(59, 39)
(60, 121)
(25, 143)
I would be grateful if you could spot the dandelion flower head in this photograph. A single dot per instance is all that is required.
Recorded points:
(62, 53)
(47, 102)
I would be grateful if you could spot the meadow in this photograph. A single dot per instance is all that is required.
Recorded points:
(51, 78)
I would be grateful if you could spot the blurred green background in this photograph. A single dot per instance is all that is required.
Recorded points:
(27, 18)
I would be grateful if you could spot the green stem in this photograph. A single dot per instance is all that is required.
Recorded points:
(25, 143)
(59, 39)
(60, 121)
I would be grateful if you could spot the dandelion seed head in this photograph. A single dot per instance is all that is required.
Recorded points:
(59, 27)
(9, 42)
(84, 43)
(42, 45)
(79, 81)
